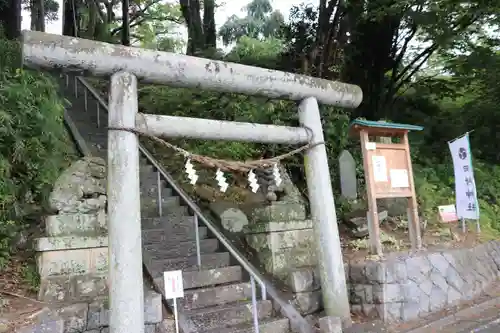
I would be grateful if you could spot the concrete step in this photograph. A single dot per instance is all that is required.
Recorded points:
(203, 297)
(208, 277)
(167, 238)
(226, 315)
(266, 325)
(208, 261)
(159, 251)
(170, 220)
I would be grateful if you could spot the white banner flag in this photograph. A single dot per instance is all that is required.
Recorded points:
(465, 186)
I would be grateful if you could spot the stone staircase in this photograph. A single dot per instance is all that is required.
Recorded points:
(218, 294)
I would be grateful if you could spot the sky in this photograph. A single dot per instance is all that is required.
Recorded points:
(228, 8)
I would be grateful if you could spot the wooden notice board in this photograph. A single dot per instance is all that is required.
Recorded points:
(388, 173)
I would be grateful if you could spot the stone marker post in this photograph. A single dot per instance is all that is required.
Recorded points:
(348, 180)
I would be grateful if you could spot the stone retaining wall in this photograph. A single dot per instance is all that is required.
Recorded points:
(306, 287)
(91, 317)
(407, 287)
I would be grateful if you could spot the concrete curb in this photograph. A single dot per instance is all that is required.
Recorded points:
(437, 325)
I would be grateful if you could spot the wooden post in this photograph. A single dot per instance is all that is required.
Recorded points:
(413, 219)
(372, 215)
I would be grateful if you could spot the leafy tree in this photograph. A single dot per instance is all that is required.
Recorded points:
(41, 11)
(260, 22)
(378, 44)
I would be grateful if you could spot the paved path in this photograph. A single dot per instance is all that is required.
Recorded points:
(485, 321)
(481, 315)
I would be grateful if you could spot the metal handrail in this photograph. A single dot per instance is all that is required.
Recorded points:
(187, 200)
(285, 307)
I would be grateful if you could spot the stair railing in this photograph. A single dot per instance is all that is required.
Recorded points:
(296, 320)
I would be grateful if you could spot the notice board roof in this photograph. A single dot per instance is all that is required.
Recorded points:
(382, 128)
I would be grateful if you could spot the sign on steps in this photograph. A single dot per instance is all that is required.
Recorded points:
(173, 284)
(174, 289)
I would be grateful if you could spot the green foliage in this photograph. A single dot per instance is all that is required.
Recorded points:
(260, 22)
(30, 275)
(51, 8)
(34, 144)
(256, 52)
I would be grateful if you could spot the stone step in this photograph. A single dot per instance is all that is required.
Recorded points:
(149, 180)
(227, 315)
(159, 251)
(203, 297)
(208, 261)
(266, 325)
(172, 229)
(208, 277)
(151, 201)
(151, 210)
(167, 238)
(167, 221)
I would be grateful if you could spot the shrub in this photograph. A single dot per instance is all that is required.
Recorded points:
(33, 143)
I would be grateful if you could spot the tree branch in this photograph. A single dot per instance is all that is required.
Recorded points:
(457, 28)
(429, 51)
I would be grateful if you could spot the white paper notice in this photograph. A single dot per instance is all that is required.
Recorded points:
(379, 168)
(399, 178)
(371, 146)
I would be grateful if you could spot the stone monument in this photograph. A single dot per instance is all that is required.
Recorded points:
(73, 258)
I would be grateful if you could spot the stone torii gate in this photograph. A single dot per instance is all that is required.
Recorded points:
(127, 64)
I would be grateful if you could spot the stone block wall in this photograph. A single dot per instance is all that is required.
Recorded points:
(407, 287)
(306, 287)
(91, 317)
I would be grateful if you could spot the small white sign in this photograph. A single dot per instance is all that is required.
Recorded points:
(448, 213)
(379, 168)
(371, 146)
(174, 287)
(399, 178)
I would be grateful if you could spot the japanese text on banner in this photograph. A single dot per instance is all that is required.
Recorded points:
(465, 186)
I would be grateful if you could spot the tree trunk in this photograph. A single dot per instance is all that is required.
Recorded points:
(38, 15)
(10, 18)
(70, 18)
(209, 24)
(201, 34)
(125, 23)
(93, 19)
(369, 56)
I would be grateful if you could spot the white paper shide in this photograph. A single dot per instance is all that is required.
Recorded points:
(465, 186)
